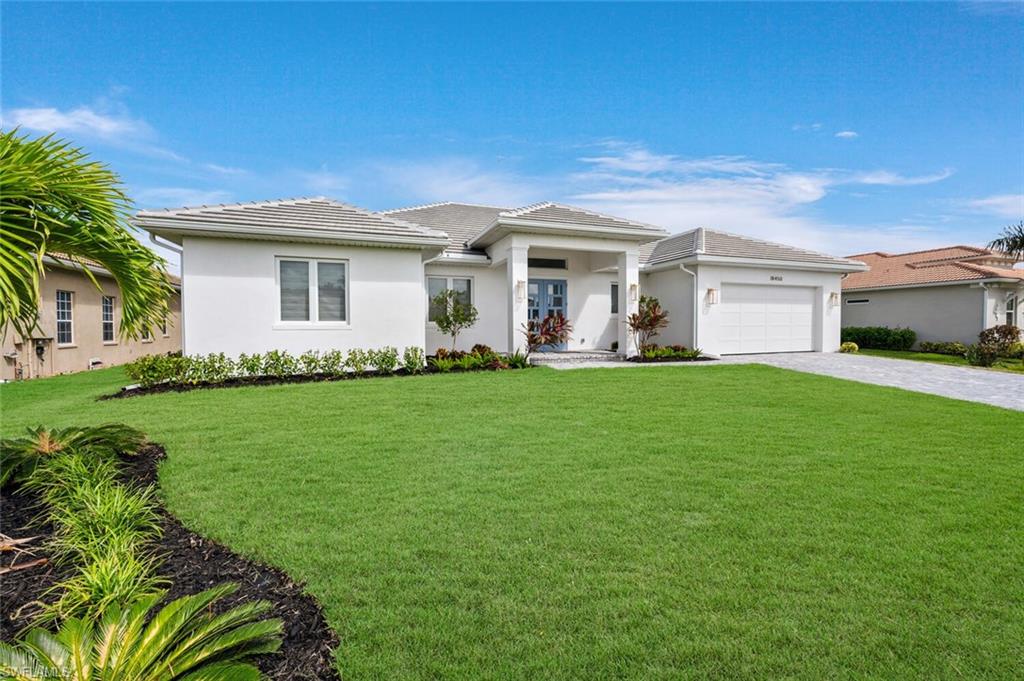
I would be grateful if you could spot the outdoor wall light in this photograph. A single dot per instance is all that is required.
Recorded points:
(632, 293)
(712, 296)
(520, 291)
(833, 298)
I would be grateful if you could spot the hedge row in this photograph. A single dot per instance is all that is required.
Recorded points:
(879, 337)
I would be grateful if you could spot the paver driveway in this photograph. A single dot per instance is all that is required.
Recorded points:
(997, 388)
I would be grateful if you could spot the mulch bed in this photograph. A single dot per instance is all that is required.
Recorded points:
(275, 380)
(191, 563)
(659, 360)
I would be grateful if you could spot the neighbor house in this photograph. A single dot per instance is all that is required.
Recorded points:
(944, 294)
(318, 274)
(78, 325)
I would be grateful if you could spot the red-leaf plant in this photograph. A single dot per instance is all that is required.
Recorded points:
(646, 322)
(551, 330)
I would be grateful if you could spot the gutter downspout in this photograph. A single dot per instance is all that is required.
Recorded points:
(693, 340)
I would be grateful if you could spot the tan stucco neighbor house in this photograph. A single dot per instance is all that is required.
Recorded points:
(78, 326)
(944, 294)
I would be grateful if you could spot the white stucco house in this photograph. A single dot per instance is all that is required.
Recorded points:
(314, 273)
(944, 294)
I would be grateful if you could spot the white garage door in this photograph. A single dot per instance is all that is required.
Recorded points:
(766, 318)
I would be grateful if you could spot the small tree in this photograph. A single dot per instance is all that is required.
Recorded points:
(1011, 241)
(646, 322)
(455, 314)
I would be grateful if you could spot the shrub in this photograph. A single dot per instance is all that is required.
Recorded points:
(309, 362)
(384, 360)
(646, 322)
(186, 639)
(980, 355)
(551, 330)
(518, 360)
(20, 456)
(1016, 350)
(849, 346)
(470, 362)
(212, 368)
(1000, 338)
(943, 347)
(357, 360)
(250, 366)
(412, 359)
(442, 364)
(279, 364)
(677, 352)
(879, 337)
(332, 363)
(150, 370)
(456, 315)
(482, 350)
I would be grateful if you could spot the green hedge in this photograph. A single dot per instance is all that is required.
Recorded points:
(879, 337)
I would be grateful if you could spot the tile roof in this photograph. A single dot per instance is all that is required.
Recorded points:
(460, 221)
(703, 241)
(321, 215)
(934, 266)
(572, 215)
(76, 263)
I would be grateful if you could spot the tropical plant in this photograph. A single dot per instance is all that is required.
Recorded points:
(849, 347)
(482, 349)
(332, 363)
(357, 360)
(384, 360)
(442, 364)
(55, 200)
(1000, 338)
(518, 360)
(981, 355)
(646, 322)
(185, 639)
(413, 360)
(309, 362)
(19, 456)
(1011, 241)
(469, 362)
(250, 366)
(279, 364)
(455, 315)
(551, 330)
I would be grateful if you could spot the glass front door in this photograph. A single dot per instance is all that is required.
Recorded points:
(547, 298)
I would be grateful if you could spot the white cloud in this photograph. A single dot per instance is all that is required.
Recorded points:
(1004, 205)
(166, 197)
(224, 170)
(847, 134)
(891, 179)
(460, 179)
(325, 182)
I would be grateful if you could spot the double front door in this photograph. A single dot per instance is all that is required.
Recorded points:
(547, 299)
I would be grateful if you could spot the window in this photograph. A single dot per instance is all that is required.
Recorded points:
(1011, 307)
(547, 263)
(163, 326)
(65, 326)
(461, 285)
(301, 282)
(147, 336)
(857, 301)
(108, 319)
(615, 297)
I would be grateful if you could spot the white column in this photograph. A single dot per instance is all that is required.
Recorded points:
(518, 281)
(629, 298)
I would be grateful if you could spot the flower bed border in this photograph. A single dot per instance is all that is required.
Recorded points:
(191, 563)
(661, 360)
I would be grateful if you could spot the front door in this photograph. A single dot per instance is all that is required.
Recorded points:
(547, 299)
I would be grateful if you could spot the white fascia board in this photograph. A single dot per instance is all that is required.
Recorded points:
(164, 229)
(960, 282)
(703, 259)
(471, 259)
(501, 226)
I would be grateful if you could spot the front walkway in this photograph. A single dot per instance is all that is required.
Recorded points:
(997, 388)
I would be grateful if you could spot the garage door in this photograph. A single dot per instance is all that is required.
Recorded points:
(766, 319)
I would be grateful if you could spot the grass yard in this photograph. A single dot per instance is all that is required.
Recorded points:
(1011, 365)
(669, 522)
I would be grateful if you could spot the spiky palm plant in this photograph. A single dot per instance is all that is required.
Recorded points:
(54, 199)
(19, 456)
(1011, 241)
(183, 640)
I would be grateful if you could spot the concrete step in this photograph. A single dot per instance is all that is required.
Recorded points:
(572, 356)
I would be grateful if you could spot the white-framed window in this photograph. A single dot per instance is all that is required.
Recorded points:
(147, 336)
(1011, 311)
(312, 291)
(65, 320)
(463, 287)
(107, 316)
(163, 326)
(615, 297)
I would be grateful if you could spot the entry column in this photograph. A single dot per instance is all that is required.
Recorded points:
(518, 282)
(629, 297)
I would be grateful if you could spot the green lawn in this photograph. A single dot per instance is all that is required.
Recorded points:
(669, 522)
(1011, 365)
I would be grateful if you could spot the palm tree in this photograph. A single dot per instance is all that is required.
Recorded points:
(54, 199)
(1011, 241)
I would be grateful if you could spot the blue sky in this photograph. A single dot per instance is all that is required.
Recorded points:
(846, 128)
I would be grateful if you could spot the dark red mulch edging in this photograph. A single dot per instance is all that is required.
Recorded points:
(279, 380)
(191, 563)
(658, 360)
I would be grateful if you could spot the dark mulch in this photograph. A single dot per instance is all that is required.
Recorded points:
(274, 380)
(191, 563)
(659, 360)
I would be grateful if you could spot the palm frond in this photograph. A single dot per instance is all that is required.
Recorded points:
(1011, 241)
